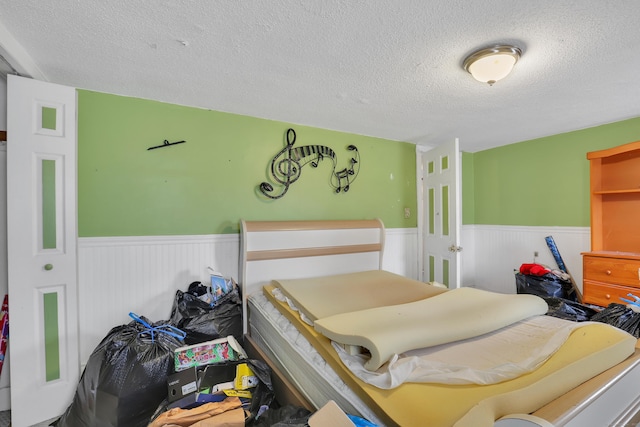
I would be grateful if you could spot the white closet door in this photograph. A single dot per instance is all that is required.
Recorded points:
(5, 397)
(440, 216)
(42, 240)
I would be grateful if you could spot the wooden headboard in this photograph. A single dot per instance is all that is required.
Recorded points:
(299, 249)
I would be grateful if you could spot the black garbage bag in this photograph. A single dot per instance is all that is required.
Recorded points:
(620, 316)
(125, 377)
(202, 321)
(548, 285)
(569, 310)
(284, 416)
(263, 395)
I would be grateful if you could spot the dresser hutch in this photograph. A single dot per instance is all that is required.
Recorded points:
(611, 269)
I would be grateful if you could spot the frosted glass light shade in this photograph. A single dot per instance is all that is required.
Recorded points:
(492, 64)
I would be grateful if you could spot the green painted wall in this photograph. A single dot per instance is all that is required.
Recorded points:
(541, 182)
(208, 184)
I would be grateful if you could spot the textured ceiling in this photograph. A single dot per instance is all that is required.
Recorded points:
(390, 69)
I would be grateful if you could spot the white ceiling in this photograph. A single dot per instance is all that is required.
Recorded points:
(384, 68)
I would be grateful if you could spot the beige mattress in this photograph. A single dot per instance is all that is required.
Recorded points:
(596, 348)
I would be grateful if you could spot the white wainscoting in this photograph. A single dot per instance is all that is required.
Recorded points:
(401, 252)
(491, 253)
(118, 275)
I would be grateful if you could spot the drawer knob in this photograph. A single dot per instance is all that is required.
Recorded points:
(608, 296)
(608, 272)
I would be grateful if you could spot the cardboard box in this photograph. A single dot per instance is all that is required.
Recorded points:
(245, 378)
(215, 378)
(209, 352)
(226, 376)
(182, 384)
(330, 415)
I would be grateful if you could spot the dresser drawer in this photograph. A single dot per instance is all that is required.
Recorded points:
(618, 271)
(603, 294)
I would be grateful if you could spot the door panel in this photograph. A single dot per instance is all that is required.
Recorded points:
(439, 194)
(42, 235)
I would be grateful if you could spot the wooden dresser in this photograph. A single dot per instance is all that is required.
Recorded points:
(612, 269)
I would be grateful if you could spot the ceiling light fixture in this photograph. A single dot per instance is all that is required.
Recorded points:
(493, 63)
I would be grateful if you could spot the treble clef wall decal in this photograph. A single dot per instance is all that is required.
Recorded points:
(287, 165)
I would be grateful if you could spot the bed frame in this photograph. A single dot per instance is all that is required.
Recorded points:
(297, 249)
(300, 249)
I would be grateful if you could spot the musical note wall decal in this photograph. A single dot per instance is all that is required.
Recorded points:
(286, 166)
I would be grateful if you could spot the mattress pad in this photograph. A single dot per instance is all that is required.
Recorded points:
(451, 316)
(325, 296)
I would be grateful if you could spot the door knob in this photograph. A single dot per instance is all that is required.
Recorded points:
(454, 248)
(48, 267)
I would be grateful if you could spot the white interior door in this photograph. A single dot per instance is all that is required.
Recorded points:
(5, 396)
(42, 236)
(439, 204)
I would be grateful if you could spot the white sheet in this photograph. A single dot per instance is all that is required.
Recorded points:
(520, 348)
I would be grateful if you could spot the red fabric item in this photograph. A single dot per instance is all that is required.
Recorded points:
(534, 269)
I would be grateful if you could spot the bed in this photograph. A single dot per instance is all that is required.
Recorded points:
(590, 379)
